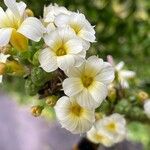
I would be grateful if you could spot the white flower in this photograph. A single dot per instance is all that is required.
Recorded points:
(15, 25)
(114, 126)
(72, 116)
(80, 25)
(64, 50)
(88, 82)
(98, 136)
(123, 75)
(3, 59)
(147, 107)
(50, 12)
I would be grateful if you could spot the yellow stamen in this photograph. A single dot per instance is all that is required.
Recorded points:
(87, 81)
(61, 52)
(76, 110)
(111, 127)
(76, 27)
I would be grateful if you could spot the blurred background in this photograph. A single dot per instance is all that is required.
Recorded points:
(123, 31)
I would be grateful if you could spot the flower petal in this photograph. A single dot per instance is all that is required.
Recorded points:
(65, 62)
(3, 18)
(98, 91)
(3, 57)
(61, 20)
(53, 40)
(106, 74)
(119, 66)
(48, 60)
(85, 99)
(32, 28)
(80, 58)
(127, 74)
(72, 86)
(93, 65)
(5, 34)
(88, 36)
(74, 46)
(12, 5)
(1, 78)
(75, 71)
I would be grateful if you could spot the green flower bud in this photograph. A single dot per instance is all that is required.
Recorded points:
(104, 107)
(36, 110)
(112, 94)
(35, 60)
(123, 107)
(31, 88)
(136, 113)
(142, 96)
(51, 100)
(39, 77)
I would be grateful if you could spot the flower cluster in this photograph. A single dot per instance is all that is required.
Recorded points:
(51, 55)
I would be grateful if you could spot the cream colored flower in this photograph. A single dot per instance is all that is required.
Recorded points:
(123, 75)
(3, 59)
(64, 50)
(50, 13)
(147, 107)
(80, 25)
(16, 27)
(99, 137)
(72, 116)
(114, 126)
(88, 82)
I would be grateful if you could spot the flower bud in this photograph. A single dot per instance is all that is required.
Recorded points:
(14, 68)
(98, 116)
(31, 88)
(39, 77)
(123, 107)
(36, 110)
(35, 60)
(142, 96)
(29, 13)
(112, 94)
(2, 68)
(5, 49)
(104, 107)
(51, 100)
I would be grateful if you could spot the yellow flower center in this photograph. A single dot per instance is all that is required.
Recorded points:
(87, 81)
(99, 137)
(111, 127)
(76, 27)
(61, 52)
(77, 110)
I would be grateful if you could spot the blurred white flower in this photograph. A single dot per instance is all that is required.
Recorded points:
(80, 25)
(88, 82)
(3, 59)
(64, 50)
(15, 25)
(50, 13)
(114, 126)
(123, 75)
(72, 116)
(147, 107)
(98, 136)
